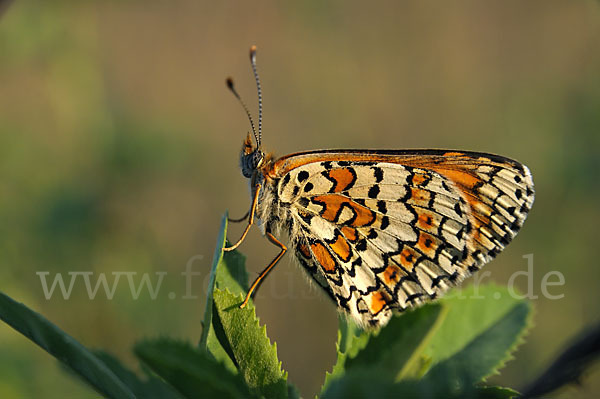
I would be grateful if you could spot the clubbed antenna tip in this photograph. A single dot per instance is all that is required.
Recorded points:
(231, 87)
(253, 62)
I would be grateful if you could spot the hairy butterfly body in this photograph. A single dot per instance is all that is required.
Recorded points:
(379, 230)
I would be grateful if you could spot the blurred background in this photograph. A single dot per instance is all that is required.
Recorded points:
(119, 148)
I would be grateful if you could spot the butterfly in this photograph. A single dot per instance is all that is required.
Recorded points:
(382, 231)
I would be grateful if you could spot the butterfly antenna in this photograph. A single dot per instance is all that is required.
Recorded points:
(231, 87)
(253, 62)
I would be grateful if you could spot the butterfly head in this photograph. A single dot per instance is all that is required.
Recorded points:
(251, 158)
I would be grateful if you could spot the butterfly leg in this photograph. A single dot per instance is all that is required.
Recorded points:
(250, 220)
(264, 273)
(240, 219)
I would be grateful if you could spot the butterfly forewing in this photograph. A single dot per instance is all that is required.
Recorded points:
(383, 230)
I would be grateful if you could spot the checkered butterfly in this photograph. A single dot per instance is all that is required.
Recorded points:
(381, 230)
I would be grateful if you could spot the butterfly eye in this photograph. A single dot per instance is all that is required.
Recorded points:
(251, 162)
(258, 159)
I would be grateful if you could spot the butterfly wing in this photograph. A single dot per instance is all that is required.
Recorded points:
(384, 230)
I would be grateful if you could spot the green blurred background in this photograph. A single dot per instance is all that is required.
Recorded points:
(119, 151)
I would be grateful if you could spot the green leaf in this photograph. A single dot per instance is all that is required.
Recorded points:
(228, 271)
(472, 311)
(206, 323)
(465, 338)
(369, 383)
(216, 350)
(191, 371)
(63, 347)
(239, 331)
(396, 349)
(293, 392)
(496, 393)
(208, 339)
(351, 339)
(219, 345)
(150, 387)
(363, 383)
(486, 353)
(481, 330)
(232, 274)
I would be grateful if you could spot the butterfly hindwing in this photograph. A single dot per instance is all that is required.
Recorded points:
(383, 234)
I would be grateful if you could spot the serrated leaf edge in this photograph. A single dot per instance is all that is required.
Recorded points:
(520, 340)
(256, 320)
